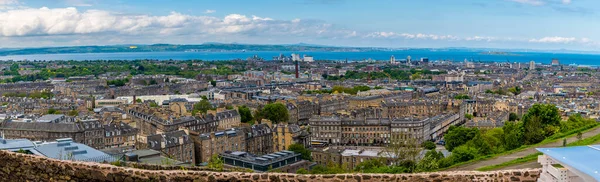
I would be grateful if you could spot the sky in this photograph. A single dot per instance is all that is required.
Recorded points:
(514, 24)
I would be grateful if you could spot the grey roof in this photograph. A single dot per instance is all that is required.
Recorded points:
(49, 117)
(16, 144)
(66, 149)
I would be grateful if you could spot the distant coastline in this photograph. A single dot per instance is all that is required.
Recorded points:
(499, 53)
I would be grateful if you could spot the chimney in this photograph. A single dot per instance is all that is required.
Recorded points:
(297, 69)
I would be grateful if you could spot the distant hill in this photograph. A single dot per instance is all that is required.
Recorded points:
(207, 47)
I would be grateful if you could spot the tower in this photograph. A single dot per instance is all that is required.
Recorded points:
(297, 68)
(392, 60)
(408, 60)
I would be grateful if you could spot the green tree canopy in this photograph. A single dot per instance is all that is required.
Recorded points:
(276, 112)
(203, 106)
(299, 148)
(458, 136)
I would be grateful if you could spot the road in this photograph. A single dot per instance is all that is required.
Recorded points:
(523, 153)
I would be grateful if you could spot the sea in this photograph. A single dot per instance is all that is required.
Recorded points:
(433, 55)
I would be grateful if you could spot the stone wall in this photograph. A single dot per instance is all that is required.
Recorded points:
(22, 167)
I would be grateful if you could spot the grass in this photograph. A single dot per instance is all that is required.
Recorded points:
(550, 139)
(533, 157)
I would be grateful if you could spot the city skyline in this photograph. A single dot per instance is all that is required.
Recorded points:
(526, 24)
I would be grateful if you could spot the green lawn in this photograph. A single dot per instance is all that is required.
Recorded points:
(550, 139)
(532, 157)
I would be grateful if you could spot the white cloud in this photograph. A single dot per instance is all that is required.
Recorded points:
(566, 1)
(554, 40)
(8, 2)
(210, 11)
(67, 21)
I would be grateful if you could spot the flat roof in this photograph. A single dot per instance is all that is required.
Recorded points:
(585, 159)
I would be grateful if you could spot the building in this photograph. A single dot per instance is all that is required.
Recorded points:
(215, 143)
(532, 65)
(176, 144)
(283, 161)
(67, 149)
(285, 135)
(226, 118)
(308, 59)
(571, 164)
(105, 103)
(368, 131)
(259, 139)
(52, 118)
(90, 133)
(151, 121)
(555, 62)
(349, 157)
(119, 134)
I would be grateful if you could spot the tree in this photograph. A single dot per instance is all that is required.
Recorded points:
(534, 130)
(429, 145)
(513, 117)
(203, 106)
(463, 153)
(495, 139)
(215, 162)
(469, 116)
(276, 112)
(458, 136)
(299, 148)
(301, 171)
(480, 145)
(370, 165)
(53, 111)
(430, 162)
(245, 114)
(541, 121)
(404, 150)
(513, 135)
(73, 113)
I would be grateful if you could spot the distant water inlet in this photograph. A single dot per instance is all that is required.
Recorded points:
(432, 55)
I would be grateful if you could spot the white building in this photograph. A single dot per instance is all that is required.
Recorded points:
(308, 59)
(531, 65)
(296, 57)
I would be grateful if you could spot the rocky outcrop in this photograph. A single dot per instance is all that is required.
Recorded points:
(22, 167)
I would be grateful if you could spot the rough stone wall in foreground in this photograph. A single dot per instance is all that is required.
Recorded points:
(21, 167)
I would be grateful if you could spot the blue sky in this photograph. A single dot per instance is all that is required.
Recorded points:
(532, 24)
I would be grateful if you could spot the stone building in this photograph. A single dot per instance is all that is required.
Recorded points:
(326, 129)
(305, 110)
(119, 134)
(365, 131)
(226, 118)
(151, 121)
(368, 131)
(214, 143)
(176, 144)
(419, 108)
(259, 139)
(285, 135)
(90, 133)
